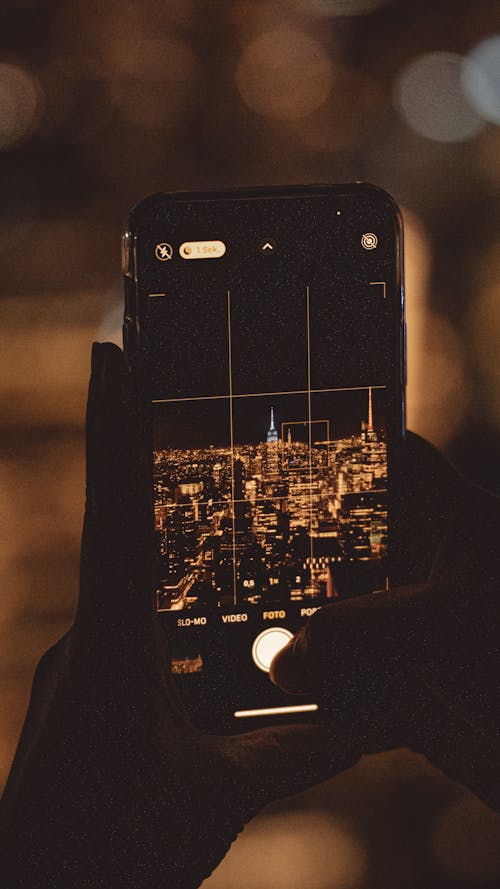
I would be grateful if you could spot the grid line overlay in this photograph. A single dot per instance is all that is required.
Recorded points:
(231, 439)
(262, 394)
(309, 418)
(309, 467)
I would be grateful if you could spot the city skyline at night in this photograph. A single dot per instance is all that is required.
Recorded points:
(258, 511)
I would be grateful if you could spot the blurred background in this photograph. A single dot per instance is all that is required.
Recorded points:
(104, 102)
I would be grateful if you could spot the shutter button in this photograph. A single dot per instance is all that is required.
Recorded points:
(267, 644)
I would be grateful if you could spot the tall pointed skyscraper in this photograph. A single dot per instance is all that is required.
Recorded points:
(272, 450)
(370, 409)
(272, 435)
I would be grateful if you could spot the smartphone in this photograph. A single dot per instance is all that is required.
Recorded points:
(266, 329)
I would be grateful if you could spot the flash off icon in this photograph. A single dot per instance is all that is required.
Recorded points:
(163, 252)
(369, 241)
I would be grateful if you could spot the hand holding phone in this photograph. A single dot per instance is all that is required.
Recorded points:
(111, 784)
(418, 665)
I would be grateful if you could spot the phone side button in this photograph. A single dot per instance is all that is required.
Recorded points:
(402, 354)
(127, 270)
(129, 342)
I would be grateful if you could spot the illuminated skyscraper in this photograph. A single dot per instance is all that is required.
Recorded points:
(272, 434)
(373, 453)
(239, 501)
(272, 450)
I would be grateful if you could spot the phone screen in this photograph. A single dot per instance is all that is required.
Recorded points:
(270, 328)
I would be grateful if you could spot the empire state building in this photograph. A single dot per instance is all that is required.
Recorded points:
(272, 452)
(272, 435)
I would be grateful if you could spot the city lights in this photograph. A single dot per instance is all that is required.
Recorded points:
(269, 520)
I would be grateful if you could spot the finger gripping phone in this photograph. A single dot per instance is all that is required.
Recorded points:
(266, 330)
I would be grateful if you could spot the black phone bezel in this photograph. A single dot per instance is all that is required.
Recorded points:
(142, 219)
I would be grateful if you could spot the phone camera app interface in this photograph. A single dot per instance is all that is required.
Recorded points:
(272, 404)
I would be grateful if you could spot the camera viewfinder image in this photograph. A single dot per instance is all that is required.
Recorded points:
(260, 498)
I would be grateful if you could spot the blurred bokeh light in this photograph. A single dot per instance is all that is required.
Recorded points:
(284, 74)
(21, 103)
(481, 78)
(429, 95)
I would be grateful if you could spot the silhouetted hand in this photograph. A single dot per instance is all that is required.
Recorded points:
(111, 786)
(419, 665)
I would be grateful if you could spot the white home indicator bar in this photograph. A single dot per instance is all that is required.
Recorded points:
(277, 711)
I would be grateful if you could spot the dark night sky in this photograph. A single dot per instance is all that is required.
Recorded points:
(205, 422)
